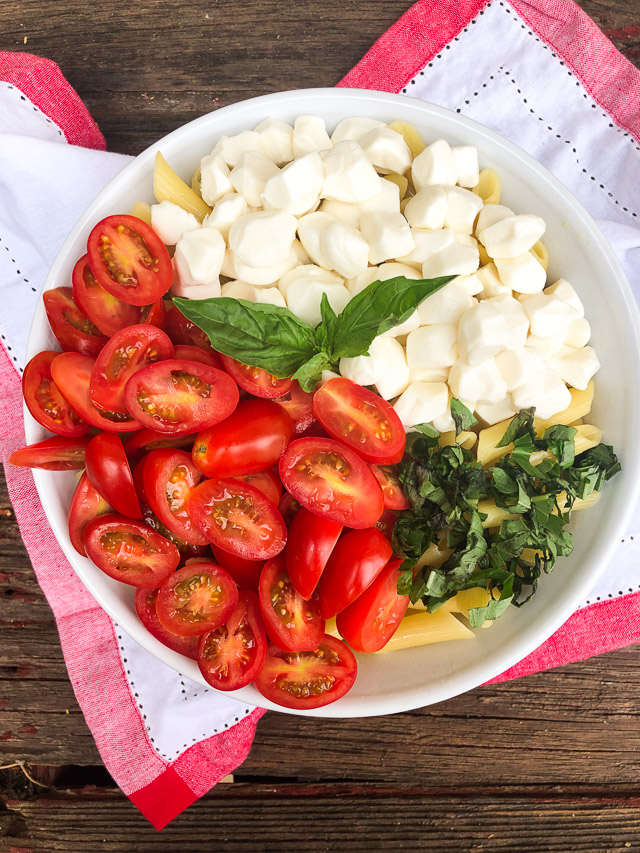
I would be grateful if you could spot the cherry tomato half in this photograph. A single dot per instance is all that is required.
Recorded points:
(246, 573)
(232, 655)
(58, 453)
(183, 331)
(288, 507)
(169, 476)
(180, 397)
(255, 380)
(251, 439)
(105, 311)
(292, 623)
(191, 353)
(129, 259)
(393, 496)
(386, 523)
(305, 680)
(73, 330)
(186, 549)
(298, 404)
(129, 350)
(154, 314)
(267, 482)
(197, 598)
(145, 605)
(238, 518)
(44, 400)
(310, 541)
(108, 469)
(129, 551)
(86, 504)
(331, 480)
(372, 619)
(147, 439)
(360, 419)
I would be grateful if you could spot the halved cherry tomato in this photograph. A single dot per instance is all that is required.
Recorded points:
(305, 680)
(72, 373)
(386, 523)
(58, 453)
(186, 549)
(145, 605)
(238, 518)
(298, 404)
(129, 259)
(232, 655)
(288, 507)
(169, 476)
(73, 330)
(251, 439)
(183, 331)
(394, 497)
(255, 380)
(105, 311)
(180, 397)
(372, 619)
(128, 351)
(86, 504)
(197, 598)
(310, 541)
(154, 314)
(292, 623)
(129, 551)
(360, 419)
(148, 439)
(108, 469)
(138, 481)
(44, 399)
(267, 482)
(192, 353)
(331, 480)
(246, 573)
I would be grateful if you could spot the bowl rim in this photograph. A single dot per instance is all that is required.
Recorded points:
(472, 675)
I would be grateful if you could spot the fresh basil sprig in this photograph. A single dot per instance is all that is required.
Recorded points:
(274, 339)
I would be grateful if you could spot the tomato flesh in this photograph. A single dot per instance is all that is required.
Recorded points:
(44, 399)
(310, 541)
(105, 311)
(73, 330)
(86, 504)
(298, 404)
(292, 623)
(197, 598)
(392, 493)
(246, 573)
(255, 380)
(192, 353)
(108, 469)
(59, 453)
(266, 482)
(145, 605)
(169, 476)
(186, 549)
(183, 331)
(145, 440)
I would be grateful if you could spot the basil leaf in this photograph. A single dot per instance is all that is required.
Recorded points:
(258, 334)
(326, 332)
(310, 373)
(560, 441)
(519, 426)
(479, 615)
(462, 417)
(426, 429)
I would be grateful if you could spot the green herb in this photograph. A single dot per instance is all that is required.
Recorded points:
(462, 417)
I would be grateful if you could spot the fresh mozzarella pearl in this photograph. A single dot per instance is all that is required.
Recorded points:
(359, 282)
(310, 227)
(231, 148)
(491, 284)
(215, 178)
(471, 283)
(170, 221)
(493, 413)
(388, 235)
(342, 210)
(578, 334)
(309, 273)
(354, 128)
(412, 322)
(263, 239)
(483, 381)
(327, 375)
(262, 276)
(428, 374)
(296, 188)
(270, 296)
(563, 290)
(239, 290)
(422, 402)
(199, 255)
(546, 391)
(344, 248)
(490, 327)
(276, 139)
(462, 208)
(548, 315)
(517, 365)
(381, 273)
(516, 318)
(251, 174)
(460, 257)
(228, 268)
(196, 291)
(427, 208)
(435, 165)
(387, 200)
(350, 175)
(576, 366)
(386, 149)
(432, 346)
(226, 210)
(490, 214)
(305, 295)
(523, 274)
(446, 305)
(445, 423)
(309, 134)
(512, 236)
(467, 168)
(385, 367)
(546, 346)
(298, 248)
(427, 243)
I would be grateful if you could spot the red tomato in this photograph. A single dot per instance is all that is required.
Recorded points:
(197, 598)
(255, 380)
(154, 314)
(108, 469)
(354, 564)
(168, 477)
(288, 507)
(360, 419)
(232, 655)
(393, 496)
(129, 551)
(73, 330)
(183, 331)
(58, 453)
(267, 482)
(44, 400)
(146, 439)
(145, 605)
(246, 573)
(186, 549)
(198, 354)
(128, 351)
(86, 504)
(331, 480)
(292, 623)
(138, 482)
(72, 373)
(250, 440)
(180, 397)
(105, 311)
(129, 259)
(386, 523)
(372, 619)
(310, 541)
(298, 404)
(305, 680)
(238, 518)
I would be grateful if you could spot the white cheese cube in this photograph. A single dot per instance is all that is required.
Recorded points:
(231, 148)
(422, 402)
(276, 140)
(432, 346)
(239, 290)
(385, 367)
(512, 236)
(435, 165)
(199, 255)
(546, 346)
(576, 366)
(546, 391)
(483, 381)
(170, 222)
(305, 295)
(345, 249)
(523, 274)
(428, 374)
(388, 235)
(350, 175)
(298, 248)
(444, 422)
(427, 243)
(251, 174)
(359, 282)
(460, 257)
(412, 322)
(563, 290)
(228, 268)
(310, 227)
(578, 334)
(262, 276)
(486, 329)
(228, 208)
(387, 200)
(516, 317)
(309, 273)
(354, 128)
(445, 306)
(462, 208)
(471, 283)
(427, 208)
(548, 315)
(386, 149)
(215, 178)
(493, 413)
(491, 284)
(342, 210)
(264, 238)
(296, 188)
(467, 167)
(310, 134)
(327, 375)
(196, 291)
(490, 214)
(270, 296)
(381, 273)
(517, 365)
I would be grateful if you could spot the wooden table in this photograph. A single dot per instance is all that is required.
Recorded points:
(547, 763)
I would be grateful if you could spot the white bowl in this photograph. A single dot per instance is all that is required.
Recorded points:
(420, 676)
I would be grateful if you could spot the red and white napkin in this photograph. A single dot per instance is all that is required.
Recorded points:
(540, 73)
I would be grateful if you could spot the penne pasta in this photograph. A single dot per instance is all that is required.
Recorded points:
(484, 257)
(462, 602)
(489, 186)
(411, 136)
(465, 439)
(496, 515)
(400, 181)
(143, 211)
(168, 186)
(541, 254)
(420, 629)
(586, 437)
(196, 180)
(435, 555)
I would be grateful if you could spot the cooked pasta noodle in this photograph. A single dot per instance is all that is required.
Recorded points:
(489, 186)
(168, 186)
(411, 136)
(142, 210)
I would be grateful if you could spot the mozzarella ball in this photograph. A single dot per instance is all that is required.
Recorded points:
(264, 238)
(493, 413)
(435, 165)
(490, 214)
(467, 168)
(359, 282)
(460, 257)
(270, 296)
(381, 273)
(199, 255)
(296, 188)
(298, 248)
(238, 290)
(432, 346)
(262, 276)
(388, 235)
(354, 128)
(386, 149)
(523, 274)
(428, 374)
(517, 365)
(546, 346)
(276, 140)
(231, 148)
(215, 178)
(462, 208)
(482, 381)
(576, 366)
(427, 243)
(310, 134)
(578, 333)
(548, 315)
(342, 210)
(445, 306)
(226, 211)
(489, 327)
(345, 249)
(350, 175)
(546, 391)
(250, 176)
(170, 222)
(471, 283)
(563, 290)
(310, 227)
(422, 402)
(309, 273)
(512, 236)
(196, 291)
(491, 283)
(386, 201)
(385, 367)
(228, 268)
(305, 295)
(427, 208)
(516, 317)
(412, 322)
